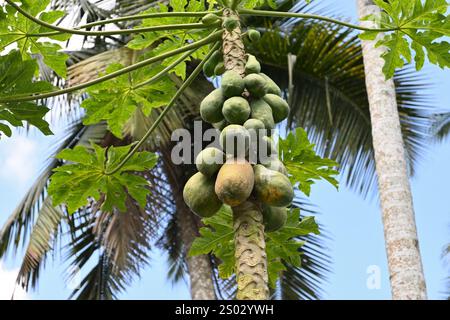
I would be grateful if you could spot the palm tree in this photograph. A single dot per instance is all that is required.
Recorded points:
(402, 246)
(333, 67)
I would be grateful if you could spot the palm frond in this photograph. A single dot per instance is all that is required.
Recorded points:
(44, 234)
(22, 219)
(89, 11)
(89, 68)
(307, 281)
(126, 7)
(441, 126)
(118, 242)
(83, 250)
(36, 217)
(172, 244)
(330, 100)
(125, 236)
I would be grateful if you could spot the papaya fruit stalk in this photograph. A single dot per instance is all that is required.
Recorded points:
(250, 254)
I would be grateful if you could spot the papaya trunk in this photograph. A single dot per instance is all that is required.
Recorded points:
(402, 246)
(250, 254)
(233, 47)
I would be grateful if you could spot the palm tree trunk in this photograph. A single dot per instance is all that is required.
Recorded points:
(199, 267)
(402, 246)
(200, 271)
(250, 253)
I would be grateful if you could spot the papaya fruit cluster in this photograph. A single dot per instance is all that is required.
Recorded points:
(245, 110)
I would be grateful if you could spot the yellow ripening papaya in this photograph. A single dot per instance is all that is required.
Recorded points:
(234, 182)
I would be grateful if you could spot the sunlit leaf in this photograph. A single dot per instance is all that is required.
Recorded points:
(84, 177)
(16, 78)
(15, 28)
(302, 162)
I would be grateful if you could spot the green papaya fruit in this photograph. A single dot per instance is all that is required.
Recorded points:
(275, 164)
(256, 85)
(254, 35)
(274, 218)
(220, 125)
(280, 108)
(272, 87)
(272, 187)
(256, 129)
(209, 161)
(232, 84)
(211, 106)
(235, 140)
(230, 23)
(219, 69)
(266, 149)
(254, 124)
(210, 19)
(236, 110)
(211, 63)
(252, 65)
(261, 110)
(200, 196)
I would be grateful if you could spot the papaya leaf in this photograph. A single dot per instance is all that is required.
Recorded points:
(303, 164)
(217, 238)
(168, 40)
(16, 77)
(116, 100)
(15, 28)
(83, 176)
(282, 247)
(421, 26)
(251, 4)
(146, 39)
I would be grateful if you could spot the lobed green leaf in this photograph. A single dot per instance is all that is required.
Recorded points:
(117, 100)
(282, 247)
(303, 164)
(83, 177)
(15, 28)
(16, 77)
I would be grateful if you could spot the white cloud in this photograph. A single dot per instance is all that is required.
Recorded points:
(18, 160)
(8, 283)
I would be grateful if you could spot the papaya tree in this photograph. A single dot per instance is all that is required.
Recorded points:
(112, 176)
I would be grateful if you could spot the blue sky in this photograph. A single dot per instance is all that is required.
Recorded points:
(354, 223)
